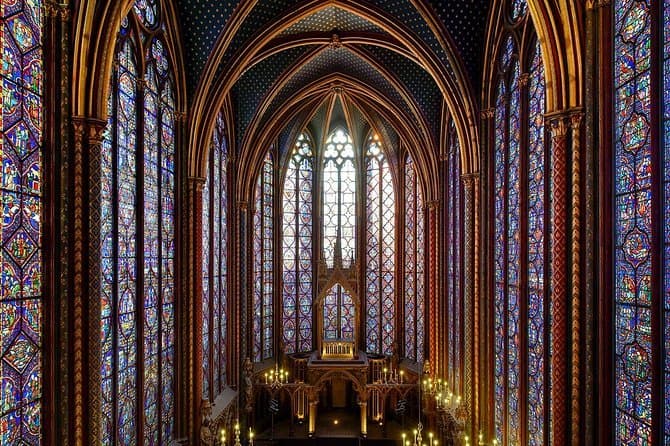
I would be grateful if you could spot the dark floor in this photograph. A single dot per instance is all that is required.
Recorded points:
(335, 427)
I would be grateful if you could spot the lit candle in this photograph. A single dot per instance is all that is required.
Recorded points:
(401, 374)
(223, 437)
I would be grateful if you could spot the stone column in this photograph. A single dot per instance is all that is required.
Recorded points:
(433, 295)
(559, 280)
(364, 418)
(190, 322)
(86, 279)
(56, 224)
(313, 401)
(470, 384)
(575, 125)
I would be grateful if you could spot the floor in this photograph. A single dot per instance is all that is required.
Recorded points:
(336, 427)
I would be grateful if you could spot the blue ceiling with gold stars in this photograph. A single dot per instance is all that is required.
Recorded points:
(203, 21)
(405, 84)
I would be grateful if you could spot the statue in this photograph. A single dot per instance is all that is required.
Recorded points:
(395, 356)
(248, 368)
(206, 425)
(283, 359)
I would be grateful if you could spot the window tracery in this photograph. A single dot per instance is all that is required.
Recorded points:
(215, 265)
(339, 199)
(380, 266)
(414, 267)
(297, 249)
(263, 263)
(138, 244)
(520, 249)
(641, 218)
(22, 303)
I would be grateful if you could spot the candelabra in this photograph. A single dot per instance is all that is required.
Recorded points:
(237, 440)
(394, 376)
(480, 441)
(277, 377)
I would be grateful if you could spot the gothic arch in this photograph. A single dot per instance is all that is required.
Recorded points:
(251, 155)
(213, 88)
(94, 41)
(559, 28)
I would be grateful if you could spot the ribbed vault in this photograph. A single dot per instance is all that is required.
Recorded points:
(392, 59)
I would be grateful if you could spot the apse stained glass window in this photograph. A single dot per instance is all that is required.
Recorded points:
(339, 314)
(641, 221)
(339, 199)
(263, 263)
(519, 309)
(138, 247)
(20, 151)
(414, 264)
(453, 263)
(380, 258)
(147, 12)
(215, 265)
(518, 9)
(297, 248)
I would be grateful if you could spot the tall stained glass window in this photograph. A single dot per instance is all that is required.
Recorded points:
(520, 305)
(641, 221)
(338, 314)
(138, 244)
(339, 199)
(380, 259)
(263, 263)
(414, 264)
(215, 265)
(21, 154)
(454, 236)
(297, 229)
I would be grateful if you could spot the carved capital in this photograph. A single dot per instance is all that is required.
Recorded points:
(523, 79)
(196, 183)
(433, 204)
(594, 4)
(487, 113)
(56, 10)
(95, 130)
(557, 123)
(180, 116)
(242, 205)
(470, 179)
(576, 119)
(79, 127)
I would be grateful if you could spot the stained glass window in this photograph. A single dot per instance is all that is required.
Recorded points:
(380, 259)
(297, 248)
(414, 264)
(138, 247)
(536, 251)
(20, 152)
(263, 309)
(519, 309)
(339, 199)
(215, 265)
(638, 294)
(147, 12)
(453, 263)
(338, 314)
(518, 9)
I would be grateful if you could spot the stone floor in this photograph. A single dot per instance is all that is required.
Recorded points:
(337, 427)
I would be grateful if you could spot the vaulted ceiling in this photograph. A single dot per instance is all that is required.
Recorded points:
(345, 42)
